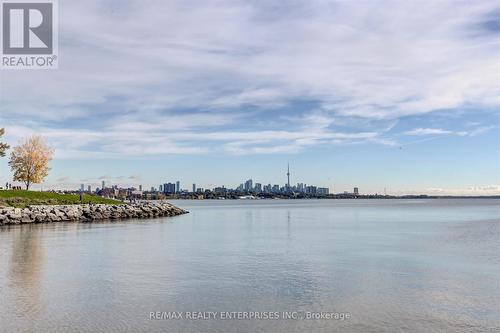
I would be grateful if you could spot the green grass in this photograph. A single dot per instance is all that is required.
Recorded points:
(26, 198)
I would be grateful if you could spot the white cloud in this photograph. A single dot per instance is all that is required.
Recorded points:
(438, 131)
(433, 131)
(124, 67)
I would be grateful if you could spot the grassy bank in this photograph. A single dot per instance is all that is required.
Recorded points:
(26, 198)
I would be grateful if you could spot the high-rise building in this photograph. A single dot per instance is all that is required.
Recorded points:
(258, 187)
(322, 191)
(160, 188)
(169, 188)
(288, 177)
(140, 187)
(82, 187)
(194, 188)
(103, 184)
(177, 186)
(89, 189)
(249, 185)
(311, 189)
(356, 191)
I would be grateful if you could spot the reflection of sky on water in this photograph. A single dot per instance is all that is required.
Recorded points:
(403, 268)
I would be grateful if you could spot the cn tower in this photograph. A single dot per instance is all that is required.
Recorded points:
(288, 175)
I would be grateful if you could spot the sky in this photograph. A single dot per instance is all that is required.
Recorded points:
(395, 95)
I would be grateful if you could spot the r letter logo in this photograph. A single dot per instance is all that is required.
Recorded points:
(29, 34)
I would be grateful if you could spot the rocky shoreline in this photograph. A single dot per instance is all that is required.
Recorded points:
(86, 213)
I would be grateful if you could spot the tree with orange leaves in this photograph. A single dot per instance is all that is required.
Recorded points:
(30, 160)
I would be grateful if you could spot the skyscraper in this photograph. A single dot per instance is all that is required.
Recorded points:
(169, 188)
(288, 176)
(194, 188)
(103, 184)
(322, 190)
(89, 189)
(356, 191)
(82, 187)
(177, 186)
(249, 185)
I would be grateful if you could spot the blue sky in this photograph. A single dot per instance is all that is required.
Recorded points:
(396, 95)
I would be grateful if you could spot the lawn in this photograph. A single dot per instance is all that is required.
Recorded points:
(26, 198)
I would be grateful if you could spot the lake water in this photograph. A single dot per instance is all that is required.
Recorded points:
(389, 265)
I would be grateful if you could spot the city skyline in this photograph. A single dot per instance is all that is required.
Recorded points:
(400, 183)
(173, 185)
(348, 92)
(248, 185)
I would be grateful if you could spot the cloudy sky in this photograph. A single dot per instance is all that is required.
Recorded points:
(402, 95)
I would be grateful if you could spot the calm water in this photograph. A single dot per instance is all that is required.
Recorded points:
(406, 265)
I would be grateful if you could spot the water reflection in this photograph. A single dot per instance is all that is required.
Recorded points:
(26, 266)
(406, 267)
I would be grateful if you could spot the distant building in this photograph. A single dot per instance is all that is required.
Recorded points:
(356, 191)
(221, 189)
(258, 187)
(311, 189)
(249, 185)
(82, 187)
(276, 188)
(177, 186)
(194, 188)
(240, 188)
(140, 188)
(103, 184)
(89, 189)
(160, 188)
(288, 177)
(136, 193)
(169, 188)
(322, 191)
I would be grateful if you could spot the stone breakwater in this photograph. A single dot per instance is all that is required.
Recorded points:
(86, 213)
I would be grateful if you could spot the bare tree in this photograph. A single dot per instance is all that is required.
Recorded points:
(30, 160)
(3, 146)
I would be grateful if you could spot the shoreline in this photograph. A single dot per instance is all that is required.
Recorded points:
(334, 198)
(86, 212)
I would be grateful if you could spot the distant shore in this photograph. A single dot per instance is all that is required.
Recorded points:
(331, 197)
